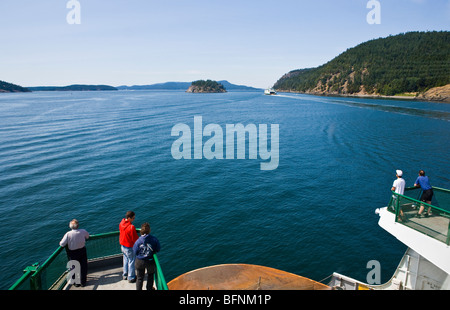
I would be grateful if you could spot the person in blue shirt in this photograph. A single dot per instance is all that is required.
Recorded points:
(423, 182)
(144, 248)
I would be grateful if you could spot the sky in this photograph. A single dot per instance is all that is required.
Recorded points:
(140, 42)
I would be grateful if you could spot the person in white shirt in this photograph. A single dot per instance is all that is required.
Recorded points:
(399, 187)
(75, 240)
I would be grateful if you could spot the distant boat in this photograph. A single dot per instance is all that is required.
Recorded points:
(270, 91)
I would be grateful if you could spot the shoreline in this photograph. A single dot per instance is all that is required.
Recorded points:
(367, 96)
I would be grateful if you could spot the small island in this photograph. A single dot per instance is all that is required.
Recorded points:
(208, 86)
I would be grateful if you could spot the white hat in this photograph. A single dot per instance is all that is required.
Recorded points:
(399, 172)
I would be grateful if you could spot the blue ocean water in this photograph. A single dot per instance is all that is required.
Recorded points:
(95, 155)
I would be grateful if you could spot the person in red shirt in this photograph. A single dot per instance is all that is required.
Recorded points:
(127, 238)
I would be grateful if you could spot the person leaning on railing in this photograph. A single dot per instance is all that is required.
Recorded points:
(127, 238)
(144, 248)
(399, 187)
(76, 248)
(423, 182)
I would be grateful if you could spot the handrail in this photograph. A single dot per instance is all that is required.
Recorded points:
(35, 279)
(33, 273)
(423, 227)
(160, 281)
(421, 202)
(102, 235)
(441, 189)
(27, 273)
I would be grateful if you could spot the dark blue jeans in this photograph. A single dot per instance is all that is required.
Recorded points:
(79, 255)
(141, 266)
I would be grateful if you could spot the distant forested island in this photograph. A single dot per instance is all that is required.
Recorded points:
(6, 87)
(208, 86)
(182, 86)
(75, 87)
(411, 64)
(172, 86)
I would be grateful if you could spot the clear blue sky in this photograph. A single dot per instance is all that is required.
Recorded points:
(136, 42)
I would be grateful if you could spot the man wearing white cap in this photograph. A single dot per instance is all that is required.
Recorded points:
(399, 183)
(399, 186)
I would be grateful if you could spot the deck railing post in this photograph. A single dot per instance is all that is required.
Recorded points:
(397, 206)
(159, 276)
(448, 234)
(35, 281)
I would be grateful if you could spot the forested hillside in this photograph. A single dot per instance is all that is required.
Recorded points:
(11, 88)
(412, 62)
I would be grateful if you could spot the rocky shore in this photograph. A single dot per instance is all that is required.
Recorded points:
(437, 94)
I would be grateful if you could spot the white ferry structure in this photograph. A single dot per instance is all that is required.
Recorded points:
(426, 262)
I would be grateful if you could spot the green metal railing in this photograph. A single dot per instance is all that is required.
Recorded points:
(51, 275)
(436, 225)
